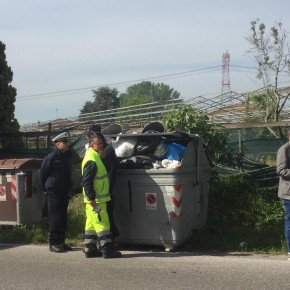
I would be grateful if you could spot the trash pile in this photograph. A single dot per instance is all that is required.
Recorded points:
(152, 148)
(154, 151)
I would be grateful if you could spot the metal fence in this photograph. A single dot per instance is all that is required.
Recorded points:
(132, 116)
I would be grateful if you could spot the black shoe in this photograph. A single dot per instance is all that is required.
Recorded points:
(93, 254)
(57, 249)
(112, 255)
(67, 247)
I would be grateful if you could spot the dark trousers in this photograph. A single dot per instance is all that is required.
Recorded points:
(57, 218)
(110, 211)
(286, 203)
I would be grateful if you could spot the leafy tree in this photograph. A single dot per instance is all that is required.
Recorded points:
(270, 50)
(261, 109)
(264, 105)
(8, 122)
(214, 135)
(104, 99)
(147, 92)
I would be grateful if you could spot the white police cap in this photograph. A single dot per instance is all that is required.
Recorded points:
(61, 137)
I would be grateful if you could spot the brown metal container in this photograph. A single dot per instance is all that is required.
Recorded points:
(21, 198)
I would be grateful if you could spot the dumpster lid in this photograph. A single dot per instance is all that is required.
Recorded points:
(25, 163)
(112, 129)
(154, 126)
(168, 135)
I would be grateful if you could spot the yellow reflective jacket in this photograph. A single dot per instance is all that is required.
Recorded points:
(101, 181)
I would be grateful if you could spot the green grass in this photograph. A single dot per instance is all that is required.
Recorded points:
(236, 240)
(242, 218)
(227, 240)
(38, 234)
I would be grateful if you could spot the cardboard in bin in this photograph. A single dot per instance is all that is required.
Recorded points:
(21, 198)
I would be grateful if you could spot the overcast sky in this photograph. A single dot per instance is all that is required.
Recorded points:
(76, 46)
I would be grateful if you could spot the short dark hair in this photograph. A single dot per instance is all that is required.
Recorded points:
(92, 129)
(95, 128)
(94, 139)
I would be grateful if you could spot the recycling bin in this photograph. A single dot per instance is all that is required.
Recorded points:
(163, 206)
(21, 198)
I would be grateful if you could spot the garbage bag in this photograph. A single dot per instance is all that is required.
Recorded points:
(160, 151)
(141, 162)
(124, 147)
(175, 151)
(147, 144)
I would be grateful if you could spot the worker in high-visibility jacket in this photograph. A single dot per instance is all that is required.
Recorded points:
(95, 184)
(108, 157)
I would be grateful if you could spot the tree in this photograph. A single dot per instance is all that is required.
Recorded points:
(214, 135)
(270, 50)
(8, 122)
(147, 92)
(105, 99)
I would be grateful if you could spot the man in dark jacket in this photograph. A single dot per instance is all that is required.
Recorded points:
(55, 180)
(283, 170)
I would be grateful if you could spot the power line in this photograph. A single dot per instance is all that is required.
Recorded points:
(242, 66)
(160, 77)
(73, 91)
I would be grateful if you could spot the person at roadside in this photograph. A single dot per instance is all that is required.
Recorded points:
(95, 182)
(283, 170)
(109, 158)
(56, 183)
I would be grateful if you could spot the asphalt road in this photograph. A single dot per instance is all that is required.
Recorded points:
(34, 267)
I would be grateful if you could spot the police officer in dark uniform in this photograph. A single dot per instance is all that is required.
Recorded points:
(55, 180)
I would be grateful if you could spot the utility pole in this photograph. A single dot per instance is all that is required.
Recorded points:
(226, 83)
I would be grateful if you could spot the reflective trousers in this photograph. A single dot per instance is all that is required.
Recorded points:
(97, 226)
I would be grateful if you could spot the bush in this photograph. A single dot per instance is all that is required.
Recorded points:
(230, 198)
(241, 216)
(76, 218)
(268, 210)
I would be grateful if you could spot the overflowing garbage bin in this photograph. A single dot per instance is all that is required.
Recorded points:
(161, 187)
(160, 200)
(21, 198)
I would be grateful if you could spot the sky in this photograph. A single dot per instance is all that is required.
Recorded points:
(60, 50)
